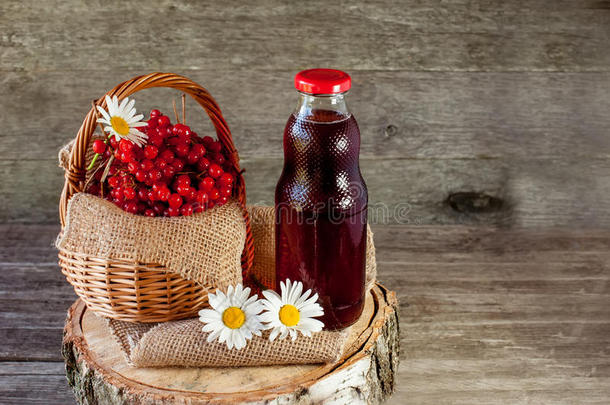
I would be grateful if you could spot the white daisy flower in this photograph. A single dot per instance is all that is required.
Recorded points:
(234, 317)
(291, 312)
(121, 120)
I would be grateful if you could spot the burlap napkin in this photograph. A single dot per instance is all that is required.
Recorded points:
(183, 343)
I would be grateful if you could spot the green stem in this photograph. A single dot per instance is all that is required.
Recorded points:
(93, 161)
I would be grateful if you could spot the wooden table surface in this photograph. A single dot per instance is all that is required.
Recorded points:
(488, 316)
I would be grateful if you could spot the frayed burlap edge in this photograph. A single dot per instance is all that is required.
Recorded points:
(205, 247)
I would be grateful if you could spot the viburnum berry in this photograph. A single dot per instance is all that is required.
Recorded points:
(215, 147)
(151, 195)
(203, 164)
(167, 155)
(215, 170)
(131, 207)
(175, 200)
(140, 175)
(222, 200)
(218, 158)
(129, 193)
(225, 191)
(191, 194)
(117, 193)
(155, 140)
(178, 164)
(114, 181)
(202, 197)
(207, 141)
(114, 143)
(177, 129)
(199, 149)
(126, 145)
(186, 210)
(182, 149)
(214, 194)
(139, 178)
(147, 165)
(155, 175)
(206, 184)
(126, 179)
(183, 189)
(183, 179)
(151, 151)
(163, 121)
(158, 208)
(169, 172)
(163, 193)
(160, 164)
(99, 146)
(128, 156)
(226, 179)
(192, 158)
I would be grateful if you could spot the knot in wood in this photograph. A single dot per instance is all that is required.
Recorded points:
(473, 202)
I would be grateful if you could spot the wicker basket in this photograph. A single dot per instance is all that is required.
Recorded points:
(131, 291)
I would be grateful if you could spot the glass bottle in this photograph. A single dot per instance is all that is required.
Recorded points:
(321, 199)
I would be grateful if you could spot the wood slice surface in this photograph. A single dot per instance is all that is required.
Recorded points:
(99, 374)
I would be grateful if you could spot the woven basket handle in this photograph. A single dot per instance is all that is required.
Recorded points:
(76, 171)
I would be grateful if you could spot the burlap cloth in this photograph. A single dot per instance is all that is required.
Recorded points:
(183, 343)
(205, 248)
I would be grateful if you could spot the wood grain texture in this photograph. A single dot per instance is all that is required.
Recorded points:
(533, 193)
(545, 35)
(464, 88)
(488, 315)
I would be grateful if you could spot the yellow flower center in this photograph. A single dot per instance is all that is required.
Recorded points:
(119, 125)
(289, 315)
(233, 317)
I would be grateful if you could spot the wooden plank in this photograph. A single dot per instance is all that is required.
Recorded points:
(414, 115)
(540, 146)
(576, 194)
(502, 397)
(415, 35)
(488, 315)
(34, 383)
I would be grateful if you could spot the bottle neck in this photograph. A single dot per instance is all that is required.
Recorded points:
(322, 108)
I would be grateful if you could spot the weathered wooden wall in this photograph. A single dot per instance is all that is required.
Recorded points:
(509, 99)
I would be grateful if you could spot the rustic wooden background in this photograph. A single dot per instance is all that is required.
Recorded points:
(472, 112)
(488, 115)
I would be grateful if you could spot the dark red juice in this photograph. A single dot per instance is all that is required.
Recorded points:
(321, 206)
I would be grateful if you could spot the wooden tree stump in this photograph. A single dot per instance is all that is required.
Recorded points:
(99, 374)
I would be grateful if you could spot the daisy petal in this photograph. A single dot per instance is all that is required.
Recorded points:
(214, 335)
(104, 113)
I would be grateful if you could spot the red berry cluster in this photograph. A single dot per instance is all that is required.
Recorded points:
(175, 173)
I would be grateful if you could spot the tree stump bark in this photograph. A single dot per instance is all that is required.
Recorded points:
(98, 373)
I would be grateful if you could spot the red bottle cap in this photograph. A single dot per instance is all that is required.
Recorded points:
(322, 81)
